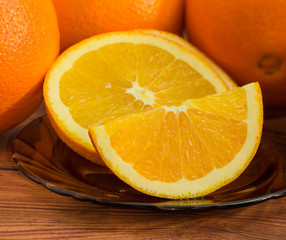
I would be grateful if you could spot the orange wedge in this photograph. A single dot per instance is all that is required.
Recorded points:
(114, 74)
(184, 151)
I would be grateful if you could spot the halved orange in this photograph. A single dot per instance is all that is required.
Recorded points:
(188, 150)
(118, 73)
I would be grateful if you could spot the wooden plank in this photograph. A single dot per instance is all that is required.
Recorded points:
(30, 211)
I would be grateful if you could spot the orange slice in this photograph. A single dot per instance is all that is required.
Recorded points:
(184, 151)
(118, 73)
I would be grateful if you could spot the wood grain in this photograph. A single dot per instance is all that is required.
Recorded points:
(30, 211)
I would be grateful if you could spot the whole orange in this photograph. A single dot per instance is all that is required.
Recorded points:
(29, 43)
(81, 19)
(247, 38)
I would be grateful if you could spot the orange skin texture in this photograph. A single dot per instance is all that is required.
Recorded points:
(29, 43)
(82, 19)
(243, 37)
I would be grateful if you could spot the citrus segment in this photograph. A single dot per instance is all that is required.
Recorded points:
(184, 151)
(174, 37)
(114, 74)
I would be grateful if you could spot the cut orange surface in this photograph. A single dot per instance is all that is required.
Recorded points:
(114, 74)
(174, 37)
(188, 150)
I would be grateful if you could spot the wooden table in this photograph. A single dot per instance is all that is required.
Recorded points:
(30, 211)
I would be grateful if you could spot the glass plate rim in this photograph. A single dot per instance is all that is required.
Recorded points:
(132, 204)
(83, 197)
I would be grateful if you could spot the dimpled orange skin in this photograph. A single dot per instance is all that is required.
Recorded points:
(247, 38)
(81, 19)
(29, 43)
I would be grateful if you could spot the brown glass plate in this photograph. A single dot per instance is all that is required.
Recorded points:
(44, 158)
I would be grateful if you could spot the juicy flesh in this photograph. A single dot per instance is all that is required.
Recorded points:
(167, 145)
(126, 78)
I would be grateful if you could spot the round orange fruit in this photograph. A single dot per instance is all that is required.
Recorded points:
(29, 43)
(81, 19)
(246, 38)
